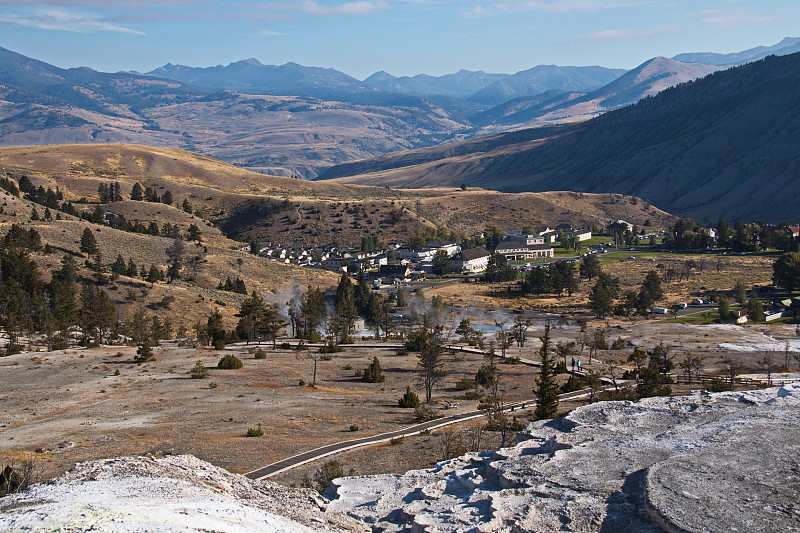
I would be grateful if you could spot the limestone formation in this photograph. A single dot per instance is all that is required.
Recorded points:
(704, 462)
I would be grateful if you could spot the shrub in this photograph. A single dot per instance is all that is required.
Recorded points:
(424, 413)
(618, 344)
(353, 428)
(230, 362)
(465, 384)
(213, 385)
(327, 473)
(199, 371)
(409, 400)
(260, 354)
(285, 346)
(573, 384)
(325, 357)
(301, 383)
(374, 372)
(255, 432)
(219, 344)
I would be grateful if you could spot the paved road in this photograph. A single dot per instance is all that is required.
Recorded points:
(324, 451)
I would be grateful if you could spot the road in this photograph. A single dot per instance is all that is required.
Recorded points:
(330, 449)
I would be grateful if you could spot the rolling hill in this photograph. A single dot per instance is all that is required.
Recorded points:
(724, 145)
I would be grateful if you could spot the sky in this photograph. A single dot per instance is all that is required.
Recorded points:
(402, 37)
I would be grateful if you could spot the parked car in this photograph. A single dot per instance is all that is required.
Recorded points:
(518, 310)
(659, 310)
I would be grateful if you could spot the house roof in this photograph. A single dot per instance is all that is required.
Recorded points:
(471, 254)
(439, 243)
(507, 245)
(394, 270)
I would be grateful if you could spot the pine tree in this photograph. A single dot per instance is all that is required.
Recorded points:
(144, 353)
(119, 266)
(546, 388)
(131, 269)
(88, 242)
(374, 372)
(137, 193)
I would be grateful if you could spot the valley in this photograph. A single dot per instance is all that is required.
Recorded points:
(205, 271)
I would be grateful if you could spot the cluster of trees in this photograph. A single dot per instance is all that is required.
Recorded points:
(687, 234)
(499, 270)
(555, 279)
(149, 194)
(370, 243)
(29, 306)
(236, 285)
(606, 297)
(109, 192)
(652, 369)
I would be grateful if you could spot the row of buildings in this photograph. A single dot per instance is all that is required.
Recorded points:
(410, 262)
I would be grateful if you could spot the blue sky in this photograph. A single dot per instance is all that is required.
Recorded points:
(403, 37)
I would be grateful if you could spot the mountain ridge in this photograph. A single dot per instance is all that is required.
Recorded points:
(718, 146)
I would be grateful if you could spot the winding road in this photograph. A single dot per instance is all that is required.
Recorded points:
(330, 449)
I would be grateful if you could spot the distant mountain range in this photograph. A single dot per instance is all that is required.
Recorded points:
(724, 145)
(294, 120)
(789, 45)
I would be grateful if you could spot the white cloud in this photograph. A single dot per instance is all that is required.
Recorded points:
(362, 7)
(270, 33)
(557, 6)
(613, 34)
(61, 21)
(727, 20)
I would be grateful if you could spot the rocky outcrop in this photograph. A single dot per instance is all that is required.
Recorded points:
(170, 494)
(705, 462)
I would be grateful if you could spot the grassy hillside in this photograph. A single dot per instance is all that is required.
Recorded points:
(245, 205)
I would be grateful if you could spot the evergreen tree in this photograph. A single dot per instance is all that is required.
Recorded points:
(345, 307)
(546, 387)
(374, 372)
(650, 292)
(590, 267)
(98, 313)
(430, 363)
(131, 269)
(740, 291)
(88, 242)
(119, 266)
(144, 353)
(137, 193)
(193, 233)
(603, 294)
(186, 207)
(215, 330)
(724, 308)
(166, 198)
(154, 274)
(175, 254)
(755, 310)
(441, 263)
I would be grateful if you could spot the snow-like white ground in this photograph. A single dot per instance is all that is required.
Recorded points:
(704, 462)
(171, 494)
